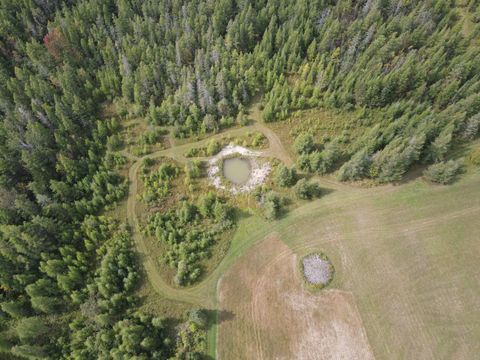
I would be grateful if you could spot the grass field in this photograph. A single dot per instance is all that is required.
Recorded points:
(408, 255)
(267, 314)
(405, 254)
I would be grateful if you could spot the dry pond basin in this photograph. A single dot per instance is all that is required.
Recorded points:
(317, 270)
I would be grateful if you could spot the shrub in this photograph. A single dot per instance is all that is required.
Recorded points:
(147, 162)
(307, 190)
(258, 139)
(150, 137)
(325, 161)
(181, 272)
(242, 119)
(443, 172)
(356, 168)
(114, 160)
(303, 163)
(213, 147)
(193, 169)
(304, 144)
(272, 206)
(192, 152)
(285, 177)
(199, 317)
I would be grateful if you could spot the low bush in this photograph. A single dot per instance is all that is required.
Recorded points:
(213, 147)
(307, 190)
(285, 177)
(443, 172)
(304, 144)
(272, 206)
(193, 169)
(199, 317)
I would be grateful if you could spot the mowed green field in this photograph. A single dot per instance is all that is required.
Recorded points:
(408, 253)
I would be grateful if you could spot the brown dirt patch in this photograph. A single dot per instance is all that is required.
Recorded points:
(267, 314)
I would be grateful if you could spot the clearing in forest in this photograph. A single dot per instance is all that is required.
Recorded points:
(266, 313)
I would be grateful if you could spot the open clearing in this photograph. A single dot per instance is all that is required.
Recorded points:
(407, 254)
(267, 314)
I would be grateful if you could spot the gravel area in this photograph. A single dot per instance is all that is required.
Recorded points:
(316, 270)
(259, 171)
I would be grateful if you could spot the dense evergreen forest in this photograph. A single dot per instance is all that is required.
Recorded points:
(408, 69)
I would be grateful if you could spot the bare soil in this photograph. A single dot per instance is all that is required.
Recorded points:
(267, 314)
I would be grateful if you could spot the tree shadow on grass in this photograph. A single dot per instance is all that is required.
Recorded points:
(240, 214)
(216, 317)
(285, 210)
(414, 173)
(324, 192)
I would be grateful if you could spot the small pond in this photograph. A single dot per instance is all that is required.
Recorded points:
(237, 170)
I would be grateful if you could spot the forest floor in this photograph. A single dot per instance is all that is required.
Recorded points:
(406, 256)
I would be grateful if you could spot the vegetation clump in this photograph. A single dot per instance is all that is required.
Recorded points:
(188, 232)
(254, 140)
(285, 177)
(307, 190)
(320, 162)
(193, 169)
(213, 147)
(158, 183)
(443, 172)
(304, 144)
(272, 205)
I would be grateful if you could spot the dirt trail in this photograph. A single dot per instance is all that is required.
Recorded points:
(200, 294)
(276, 148)
(204, 293)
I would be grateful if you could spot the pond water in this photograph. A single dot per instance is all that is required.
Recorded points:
(237, 170)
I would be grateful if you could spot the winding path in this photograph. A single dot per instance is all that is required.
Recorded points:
(348, 219)
(201, 294)
(205, 292)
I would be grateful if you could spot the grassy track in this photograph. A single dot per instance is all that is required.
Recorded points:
(203, 294)
(408, 254)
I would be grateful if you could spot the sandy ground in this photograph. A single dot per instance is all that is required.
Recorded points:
(267, 314)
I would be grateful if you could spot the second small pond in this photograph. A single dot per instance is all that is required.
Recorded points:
(237, 170)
